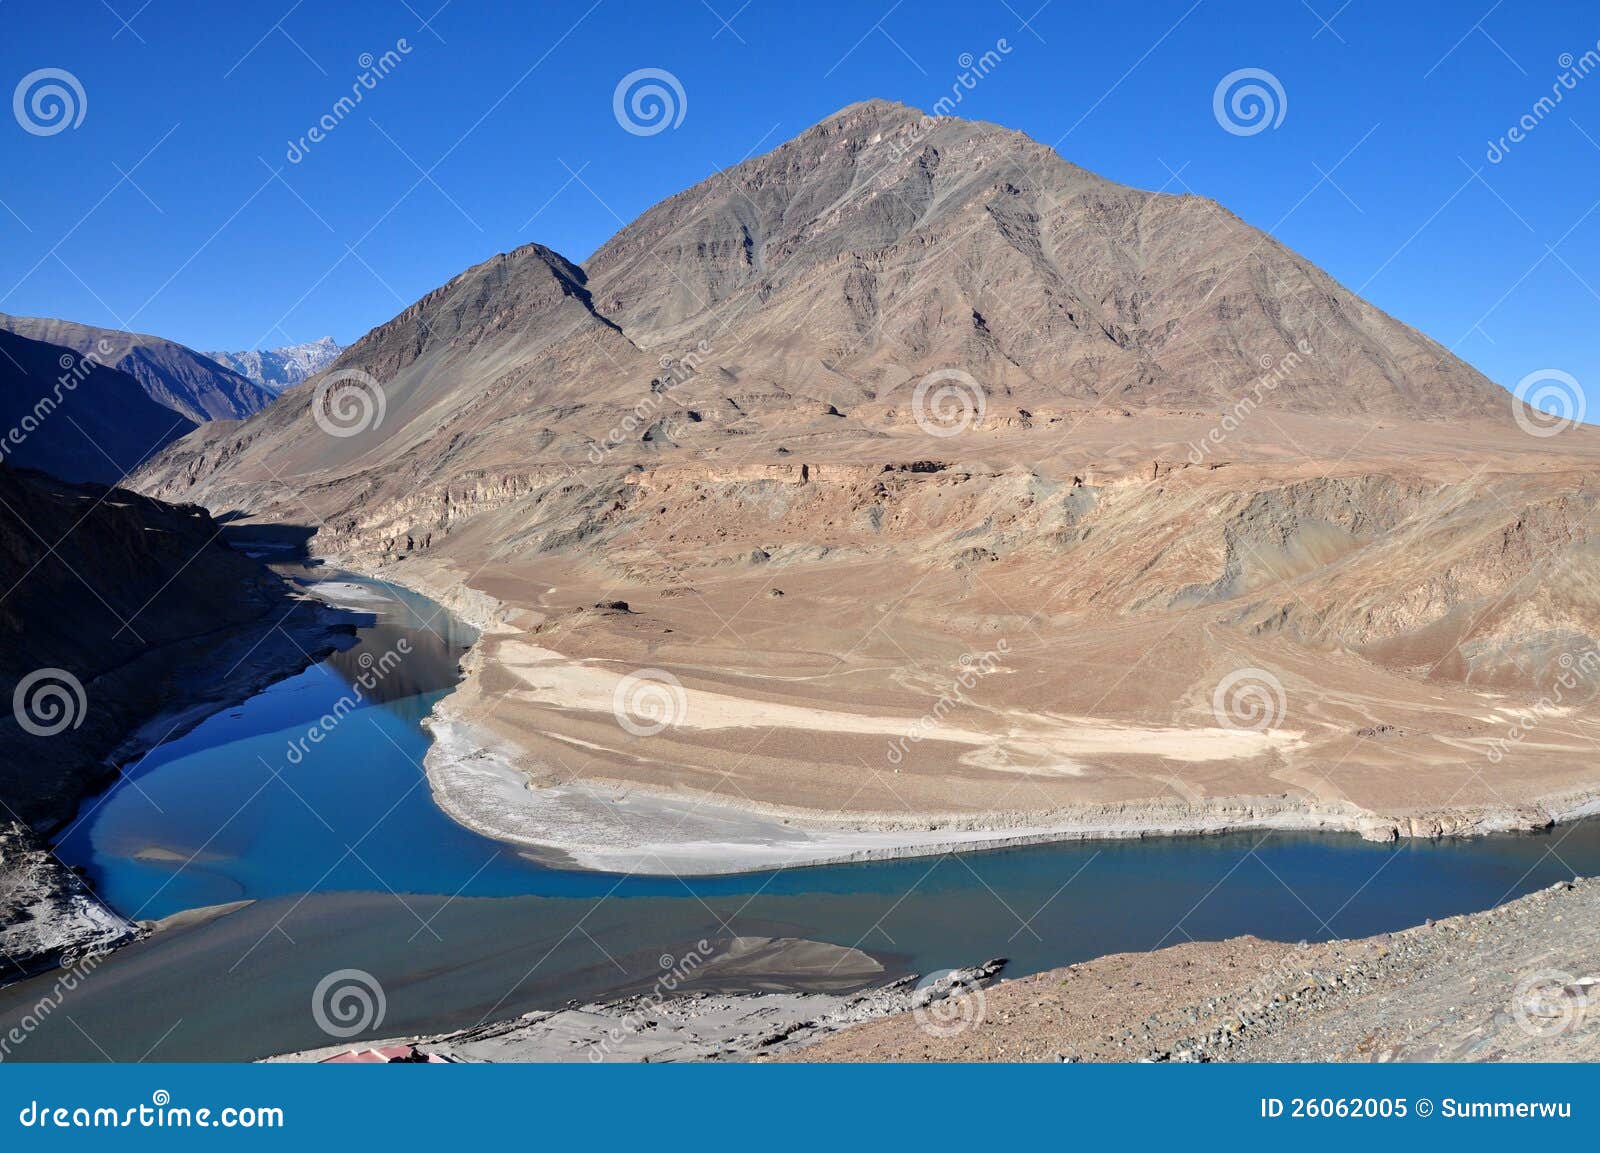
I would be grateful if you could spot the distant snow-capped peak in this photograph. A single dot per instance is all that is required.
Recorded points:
(280, 369)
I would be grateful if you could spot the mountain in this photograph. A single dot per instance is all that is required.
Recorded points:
(179, 378)
(280, 369)
(75, 418)
(882, 244)
(846, 419)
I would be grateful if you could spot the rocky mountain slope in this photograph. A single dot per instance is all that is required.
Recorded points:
(183, 380)
(73, 416)
(280, 369)
(881, 245)
(160, 608)
(906, 398)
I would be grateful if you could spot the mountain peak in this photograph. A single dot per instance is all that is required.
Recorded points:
(518, 300)
(874, 108)
(891, 244)
(280, 369)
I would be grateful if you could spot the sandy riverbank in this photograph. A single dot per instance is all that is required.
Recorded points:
(528, 750)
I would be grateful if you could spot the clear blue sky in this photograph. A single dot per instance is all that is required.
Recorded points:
(502, 103)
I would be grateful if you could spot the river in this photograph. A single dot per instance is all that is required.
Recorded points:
(351, 865)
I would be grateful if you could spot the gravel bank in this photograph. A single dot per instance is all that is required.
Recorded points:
(1511, 984)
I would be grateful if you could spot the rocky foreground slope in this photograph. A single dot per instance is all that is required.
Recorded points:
(947, 485)
(1517, 983)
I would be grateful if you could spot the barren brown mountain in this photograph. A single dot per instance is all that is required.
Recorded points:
(909, 486)
(187, 382)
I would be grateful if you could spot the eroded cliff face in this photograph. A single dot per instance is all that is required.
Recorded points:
(1484, 579)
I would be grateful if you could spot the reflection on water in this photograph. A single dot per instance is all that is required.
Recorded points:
(429, 641)
(314, 783)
